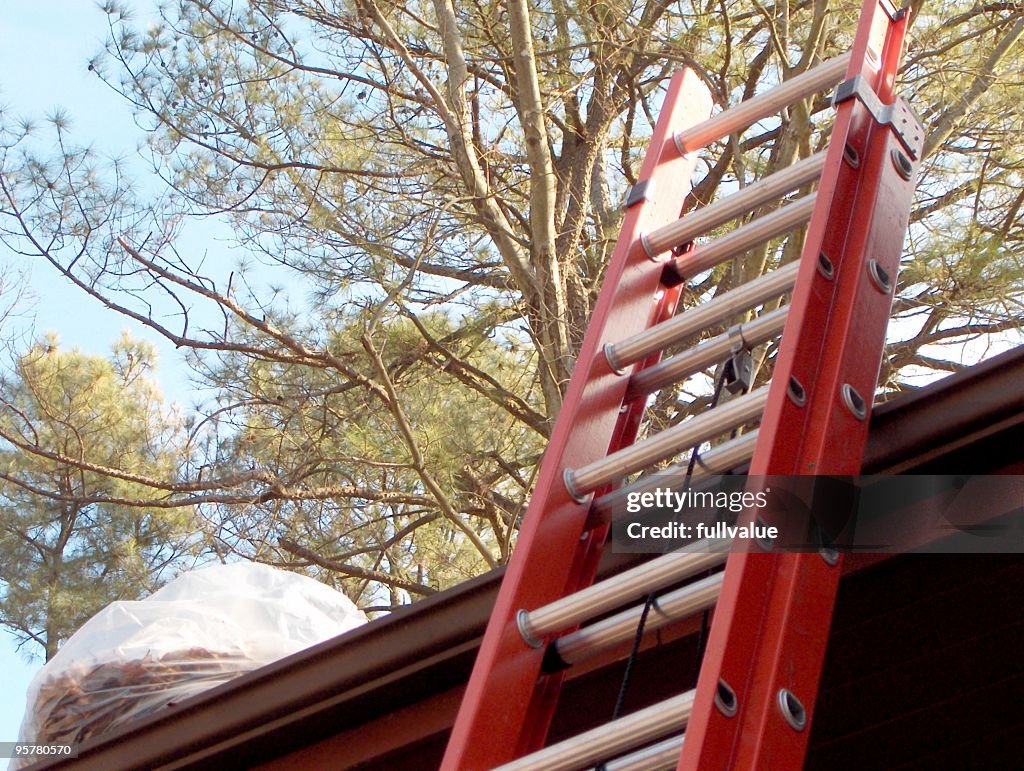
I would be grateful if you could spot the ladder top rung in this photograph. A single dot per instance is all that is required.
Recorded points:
(818, 78)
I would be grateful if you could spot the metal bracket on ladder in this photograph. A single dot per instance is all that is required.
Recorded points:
(638, 193)
(899, 116)
(738, 374)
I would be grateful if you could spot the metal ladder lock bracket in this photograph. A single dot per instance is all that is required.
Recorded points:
(754, 697)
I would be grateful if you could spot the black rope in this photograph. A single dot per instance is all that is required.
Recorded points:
(621, 699)
(719, 385)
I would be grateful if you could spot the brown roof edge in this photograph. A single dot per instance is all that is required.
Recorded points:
(428, 646)
(947, 414)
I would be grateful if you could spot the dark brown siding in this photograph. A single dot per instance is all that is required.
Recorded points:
(925, 667)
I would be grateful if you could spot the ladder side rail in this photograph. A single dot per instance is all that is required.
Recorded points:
(541, 710)
(770, 628)
(495, 713)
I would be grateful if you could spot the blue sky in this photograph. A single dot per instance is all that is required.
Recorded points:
(44, 52)
(45, 49)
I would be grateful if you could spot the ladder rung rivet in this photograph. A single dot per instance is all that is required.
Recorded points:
(830, 554)
(680, 145)
(796, 392)
(523, 625)
(569, 480)
(825, 266)
(792, 710)
(854, 402)
(879, 277)
(725, 699)
(766, 542)
(851, 156)
(902, 163)
(649, 250)
(612, 359)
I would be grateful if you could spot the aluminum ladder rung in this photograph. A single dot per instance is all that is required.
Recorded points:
(631, 350)
(584, 480)
(697, 223)
(673, 606)
(662, 756)
(745, 114)
(609, 739)
(742, 239)
(628, 585)
(717, 460)
(677, 368)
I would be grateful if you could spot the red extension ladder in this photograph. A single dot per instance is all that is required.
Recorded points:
(756, 690)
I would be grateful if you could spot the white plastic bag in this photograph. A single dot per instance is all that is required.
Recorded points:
(203, 628)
